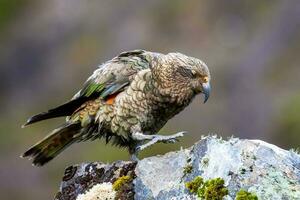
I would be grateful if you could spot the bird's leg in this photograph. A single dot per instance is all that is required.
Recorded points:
(133, 151)
(155, 139)
(142, 137)
(134, 156)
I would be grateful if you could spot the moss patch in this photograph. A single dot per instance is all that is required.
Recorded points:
(244, 195)
(122, 181)
(205, 162)
(195, 184)
(215, 189)
(123, 187)
(212, 189)
(187, 169)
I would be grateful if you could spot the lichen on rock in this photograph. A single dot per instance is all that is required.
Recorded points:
(187, 169)
(92, 179)
(212, 189)
(244, 195)
(259, 168)
(101, 191)
(194, 185)
(123, 185)
(121, 182)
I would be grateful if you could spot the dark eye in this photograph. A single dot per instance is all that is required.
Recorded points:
(185, 72)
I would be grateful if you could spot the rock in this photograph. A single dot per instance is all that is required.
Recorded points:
(89, 181)
(248, 165)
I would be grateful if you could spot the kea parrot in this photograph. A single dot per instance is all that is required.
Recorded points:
(126, 101)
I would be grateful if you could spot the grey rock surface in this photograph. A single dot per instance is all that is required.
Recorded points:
(253, 165)
(80, 179)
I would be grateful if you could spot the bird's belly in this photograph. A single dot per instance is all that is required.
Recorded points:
(141, 108)
(130, 114)
(141, 115)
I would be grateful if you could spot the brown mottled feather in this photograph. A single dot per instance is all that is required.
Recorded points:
(137, 91)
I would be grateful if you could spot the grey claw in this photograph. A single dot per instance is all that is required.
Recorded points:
(181, 134)
(138, 148)
(174, 140)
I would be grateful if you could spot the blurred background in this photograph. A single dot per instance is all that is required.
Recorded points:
(49, 48)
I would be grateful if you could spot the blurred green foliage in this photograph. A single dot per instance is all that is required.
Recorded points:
(9, 9)
(288, 123)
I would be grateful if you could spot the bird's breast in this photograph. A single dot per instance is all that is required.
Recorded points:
(142, 104)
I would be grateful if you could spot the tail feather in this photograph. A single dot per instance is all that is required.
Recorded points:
(63, 110)
(53, 144)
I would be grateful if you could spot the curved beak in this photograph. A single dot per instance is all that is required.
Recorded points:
(206, 91)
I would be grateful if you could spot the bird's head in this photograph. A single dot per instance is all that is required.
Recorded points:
(186, 75)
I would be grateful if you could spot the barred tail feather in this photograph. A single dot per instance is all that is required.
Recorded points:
(53, 144)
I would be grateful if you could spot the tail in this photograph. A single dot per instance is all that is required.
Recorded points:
(53, 144)
(63, 110)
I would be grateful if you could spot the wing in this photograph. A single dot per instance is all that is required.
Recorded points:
(114, 75)
(110, 78)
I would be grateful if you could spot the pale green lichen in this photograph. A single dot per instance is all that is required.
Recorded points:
(275, 181)
(244, 195)
(99, 191)
(212, 189)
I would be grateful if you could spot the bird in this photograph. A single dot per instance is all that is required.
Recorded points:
(125, 101)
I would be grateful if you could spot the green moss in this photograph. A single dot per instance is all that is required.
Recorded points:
(296, 150)
(195, 184)
(287, 122)
(9, 9)
(244, 195)
(122, 181)
(187, 169)
(205, 162)
(212, 189)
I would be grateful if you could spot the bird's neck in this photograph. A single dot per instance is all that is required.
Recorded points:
(173, 92)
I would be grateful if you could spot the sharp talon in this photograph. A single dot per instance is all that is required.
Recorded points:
(173, 140)
(140, 148)
(182, 133)
(137, 149)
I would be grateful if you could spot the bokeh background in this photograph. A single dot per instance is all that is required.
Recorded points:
(49, 48)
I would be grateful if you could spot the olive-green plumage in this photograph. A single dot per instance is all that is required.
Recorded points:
(127, 101)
